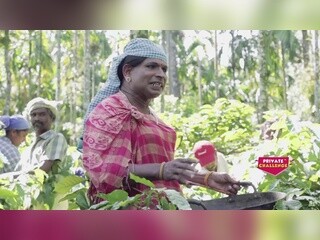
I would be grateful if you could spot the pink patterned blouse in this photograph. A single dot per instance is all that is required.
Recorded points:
(117, 134)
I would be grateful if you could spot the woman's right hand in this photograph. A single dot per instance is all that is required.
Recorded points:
(224, 183)
(180, 169)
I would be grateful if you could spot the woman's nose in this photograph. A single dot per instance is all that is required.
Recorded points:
(162, 73)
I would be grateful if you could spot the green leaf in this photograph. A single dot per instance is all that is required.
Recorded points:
(177, 199)
(280, 205)
(6, 193)
(314, 177)
(66, 183)
(293, 204)
(294, 192)
(99, 205)
(82, 201)
(73, 195)
(115, 196)
(141, 180)
(40, 174)
(165, 205)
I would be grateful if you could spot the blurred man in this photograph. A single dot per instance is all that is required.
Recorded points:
(49, 146)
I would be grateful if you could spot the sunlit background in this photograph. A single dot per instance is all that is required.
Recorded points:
(160, 14)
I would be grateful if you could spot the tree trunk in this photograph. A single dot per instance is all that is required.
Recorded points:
(86, 80)
(39, 63)
(216, 64)
(73, 114)
(6, 109)
(306, 42)
(162, 102)
(174, 85)
(29, 66)
(233, 65)
(58, 77)
(262, 97)
(316, 75)
(199, 82)
(284, 77)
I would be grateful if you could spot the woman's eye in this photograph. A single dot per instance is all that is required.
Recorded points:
(151, 66)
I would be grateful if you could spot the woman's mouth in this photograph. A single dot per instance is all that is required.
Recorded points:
(157, 84)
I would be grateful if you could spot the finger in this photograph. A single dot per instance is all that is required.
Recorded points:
(188, 174)
(228, 190)
(230, 179)
(189, 183)
(176, 177)
(232, 191)
(236, 187)
(183, 181)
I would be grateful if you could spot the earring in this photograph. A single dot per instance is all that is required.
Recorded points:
(128, 79)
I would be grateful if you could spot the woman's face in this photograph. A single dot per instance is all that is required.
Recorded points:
(18, 136)
(147, 79)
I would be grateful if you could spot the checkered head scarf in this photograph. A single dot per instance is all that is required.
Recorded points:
(140, 47)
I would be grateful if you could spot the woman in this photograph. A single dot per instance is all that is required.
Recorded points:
(123, 135)
(16, 128)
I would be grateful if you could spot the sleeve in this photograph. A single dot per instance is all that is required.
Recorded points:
(10, 161)
(107, 147)
(9, 157)
(222, 163)
(56, 148)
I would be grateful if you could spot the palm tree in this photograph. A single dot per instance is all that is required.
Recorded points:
(306, 43)
(58, 77)
(316, 75)
(289, 46)
(262, 97)
(174, 84)
(86, 79)
(39, 63)
(8, 71)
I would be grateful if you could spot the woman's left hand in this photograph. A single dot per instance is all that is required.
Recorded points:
(179, 169)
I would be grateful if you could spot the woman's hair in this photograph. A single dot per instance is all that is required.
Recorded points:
(133, 61)
(18, 131)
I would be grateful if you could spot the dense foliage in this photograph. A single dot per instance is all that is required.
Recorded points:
(265, 69)
(222, 85)
(300, 140)
(226, 123)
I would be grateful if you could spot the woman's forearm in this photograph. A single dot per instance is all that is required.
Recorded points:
(197, 177)
(149, 170)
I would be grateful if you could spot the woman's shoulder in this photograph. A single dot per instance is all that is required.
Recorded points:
(111, 106)
(116, 99)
